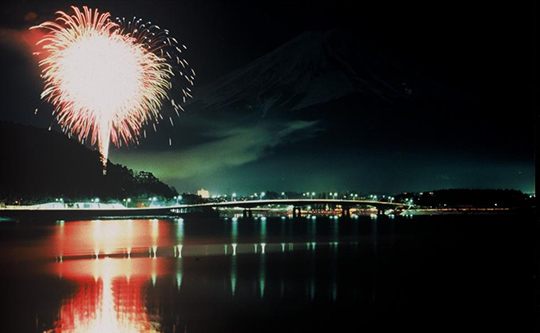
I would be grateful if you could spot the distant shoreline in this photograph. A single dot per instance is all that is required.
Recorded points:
(462, 211)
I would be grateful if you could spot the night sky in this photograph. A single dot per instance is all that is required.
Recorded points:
(371, 96)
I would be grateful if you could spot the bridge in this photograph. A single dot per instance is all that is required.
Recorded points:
(297, 204)
(248, 205)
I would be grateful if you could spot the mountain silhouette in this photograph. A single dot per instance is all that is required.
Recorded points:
(314, 68)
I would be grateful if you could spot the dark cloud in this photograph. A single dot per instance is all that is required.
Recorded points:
(232, 146)
(30, 16)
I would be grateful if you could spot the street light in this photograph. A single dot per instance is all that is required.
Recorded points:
(312, 195)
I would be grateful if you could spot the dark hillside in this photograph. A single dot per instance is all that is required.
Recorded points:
(39, 165)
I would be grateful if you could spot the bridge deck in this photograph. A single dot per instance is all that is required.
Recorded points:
(178, 209)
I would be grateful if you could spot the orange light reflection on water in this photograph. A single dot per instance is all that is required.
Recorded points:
(111, 236)
(111, 292)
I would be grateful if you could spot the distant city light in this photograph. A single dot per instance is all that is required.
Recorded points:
(205, 194)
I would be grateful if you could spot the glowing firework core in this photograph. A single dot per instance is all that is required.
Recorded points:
(101, 73)
(106, 81)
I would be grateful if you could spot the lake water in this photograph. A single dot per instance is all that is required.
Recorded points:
(421, 273)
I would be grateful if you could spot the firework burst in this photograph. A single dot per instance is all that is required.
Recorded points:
(108, 79)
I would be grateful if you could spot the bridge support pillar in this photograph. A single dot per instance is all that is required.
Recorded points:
(247, 213)
(345, 211)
